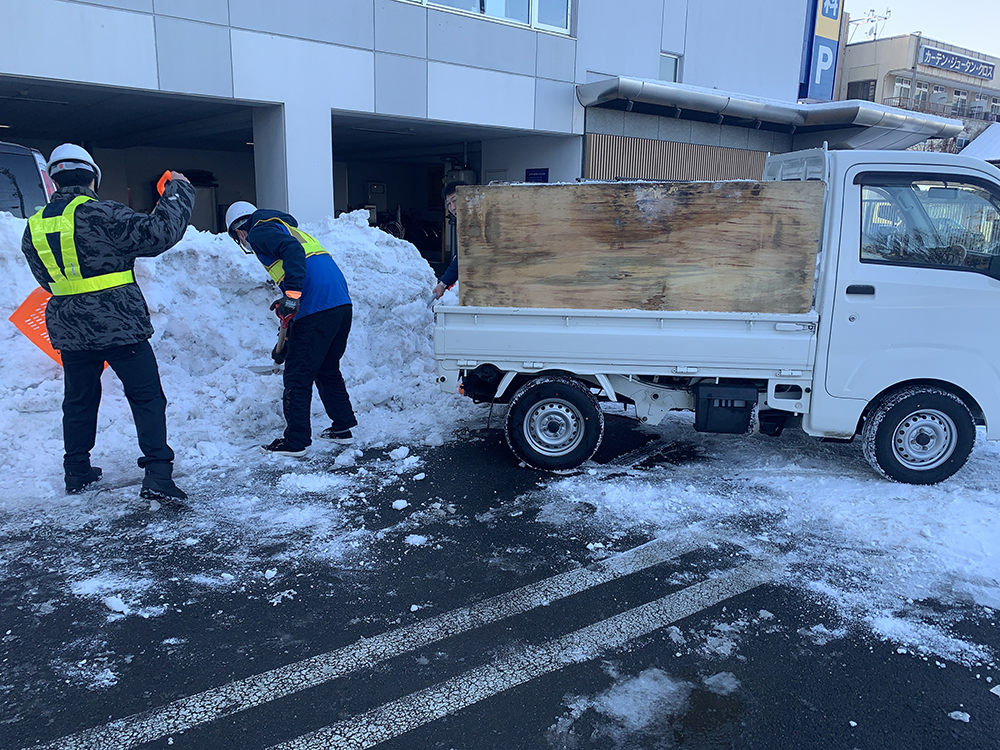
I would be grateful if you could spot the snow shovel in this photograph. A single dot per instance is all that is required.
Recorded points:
(277, 354)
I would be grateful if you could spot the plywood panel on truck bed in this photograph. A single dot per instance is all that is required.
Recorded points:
(719, 246)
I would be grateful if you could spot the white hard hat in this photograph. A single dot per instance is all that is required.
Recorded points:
(70, 156)
(237, 211)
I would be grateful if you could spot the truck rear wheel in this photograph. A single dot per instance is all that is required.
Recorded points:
(554, 423)
(919, 435)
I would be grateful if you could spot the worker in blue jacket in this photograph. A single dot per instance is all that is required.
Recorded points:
(317, 306)
(450, 276)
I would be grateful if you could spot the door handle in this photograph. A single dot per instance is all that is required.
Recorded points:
(861, 289)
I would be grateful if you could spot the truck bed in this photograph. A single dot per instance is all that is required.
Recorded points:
(626, 342)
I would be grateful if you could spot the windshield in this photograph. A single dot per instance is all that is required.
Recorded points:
(21, 189)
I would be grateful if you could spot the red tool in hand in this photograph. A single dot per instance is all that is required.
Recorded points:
(162, 184)
(279, 352)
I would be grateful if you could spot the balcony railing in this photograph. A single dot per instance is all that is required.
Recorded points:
(945, 109)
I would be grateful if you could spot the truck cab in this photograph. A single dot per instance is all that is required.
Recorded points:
(908, 300)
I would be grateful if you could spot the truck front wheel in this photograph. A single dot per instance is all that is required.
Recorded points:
(554, 423)
(919, 435)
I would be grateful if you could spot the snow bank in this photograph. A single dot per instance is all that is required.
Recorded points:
(209, 305)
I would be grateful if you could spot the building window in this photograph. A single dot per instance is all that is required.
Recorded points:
(863, 90)
(981, 104)
(939, 95)
(669, 67)
(902, 88)
(995, 106)
(958, 104)
(548, 15)
(920, 91)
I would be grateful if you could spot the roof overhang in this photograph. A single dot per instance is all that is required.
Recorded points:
(850, 124)
(986, 145)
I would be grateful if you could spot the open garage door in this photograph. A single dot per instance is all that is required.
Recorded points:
(396, 168)
(136, 135)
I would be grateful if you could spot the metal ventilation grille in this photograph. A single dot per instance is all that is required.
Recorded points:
(611, 157)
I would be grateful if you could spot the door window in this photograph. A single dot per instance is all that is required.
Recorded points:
(22, 191)
(933, 222)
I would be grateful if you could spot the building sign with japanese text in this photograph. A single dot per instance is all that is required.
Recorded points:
(940, 58)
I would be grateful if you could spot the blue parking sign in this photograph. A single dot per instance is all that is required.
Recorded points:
(824, 69)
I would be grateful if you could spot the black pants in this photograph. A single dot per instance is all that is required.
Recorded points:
(135, 366)
(315, 345)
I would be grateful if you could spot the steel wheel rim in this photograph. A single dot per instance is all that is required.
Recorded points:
(554, 427)
(924, 440)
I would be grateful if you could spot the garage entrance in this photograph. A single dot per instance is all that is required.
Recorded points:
(394, 167)
(135, 135)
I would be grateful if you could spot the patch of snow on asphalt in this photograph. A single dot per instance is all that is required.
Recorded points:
(874, 550)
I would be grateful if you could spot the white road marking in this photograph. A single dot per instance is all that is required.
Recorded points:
(394, 719)
(226, 700)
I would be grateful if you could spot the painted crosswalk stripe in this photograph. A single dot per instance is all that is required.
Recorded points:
(226, 700)
(398, 717)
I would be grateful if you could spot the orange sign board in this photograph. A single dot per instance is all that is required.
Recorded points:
(29, 319)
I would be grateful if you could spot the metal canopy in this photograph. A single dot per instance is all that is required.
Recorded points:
(850, 124)
(986, 146)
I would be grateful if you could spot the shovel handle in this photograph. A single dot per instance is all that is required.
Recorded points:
(164, 179)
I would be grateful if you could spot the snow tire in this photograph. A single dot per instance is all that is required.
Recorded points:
(918, 435)
(554, 423)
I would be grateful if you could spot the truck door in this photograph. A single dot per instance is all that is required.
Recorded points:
(917, 292)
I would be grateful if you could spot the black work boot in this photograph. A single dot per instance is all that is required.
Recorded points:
(77, 480)
(158, 484)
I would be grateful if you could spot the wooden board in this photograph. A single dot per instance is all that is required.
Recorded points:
(722, 246)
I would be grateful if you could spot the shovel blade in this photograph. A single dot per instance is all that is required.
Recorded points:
(264, 369)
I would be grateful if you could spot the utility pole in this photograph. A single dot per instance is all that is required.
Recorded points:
(913, 78)
(872, 19)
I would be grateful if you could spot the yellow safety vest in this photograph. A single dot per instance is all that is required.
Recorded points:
(67, 278)
(309, 243)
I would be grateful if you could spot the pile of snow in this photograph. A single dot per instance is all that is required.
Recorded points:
(209, 304)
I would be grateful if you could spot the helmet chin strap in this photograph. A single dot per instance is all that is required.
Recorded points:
(244, 245)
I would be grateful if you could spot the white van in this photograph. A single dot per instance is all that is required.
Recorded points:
(24, 184)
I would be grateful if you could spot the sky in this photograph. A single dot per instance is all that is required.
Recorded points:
(973, 24)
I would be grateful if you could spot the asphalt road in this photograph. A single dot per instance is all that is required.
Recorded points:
(474, 627)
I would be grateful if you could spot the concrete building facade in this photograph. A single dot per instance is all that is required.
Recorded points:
(322, 88)
(920, 74)
(318, 106)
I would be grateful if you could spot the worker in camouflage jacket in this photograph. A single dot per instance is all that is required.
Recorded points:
(83, 250)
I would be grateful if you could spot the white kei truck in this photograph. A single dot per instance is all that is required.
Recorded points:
(898, 341)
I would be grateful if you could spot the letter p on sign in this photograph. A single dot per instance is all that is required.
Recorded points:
(824, 63)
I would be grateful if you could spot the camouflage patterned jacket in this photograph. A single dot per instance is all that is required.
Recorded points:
(109, 237)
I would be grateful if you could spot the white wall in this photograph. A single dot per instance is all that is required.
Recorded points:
(120, 47)
(561, 155)
(308, 57)
(746, 48)
(618, 39)
(733, 45)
